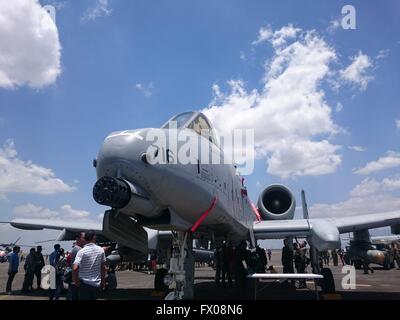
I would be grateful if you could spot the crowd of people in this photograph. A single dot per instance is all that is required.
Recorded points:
(83, 269)
(234, 263)
(85, 272)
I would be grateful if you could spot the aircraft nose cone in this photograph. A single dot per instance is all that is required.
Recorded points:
(123, 155)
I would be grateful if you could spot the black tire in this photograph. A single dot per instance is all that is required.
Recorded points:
(392, 266)
(327, 284)
(159, 280)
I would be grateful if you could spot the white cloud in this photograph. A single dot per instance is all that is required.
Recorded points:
(30, 49)
(356, 72)
(356, 206)
(66, 212)
(370, 196)
(367, 187)
(397, 123)
(59, 5)
(264, 34)
(26, 177)
(101, 9)
(391, 160)
(290, 116)
(70, 213)
(146, 90)
(382, 54)
(357, 148)
(339, 107)
(392, 183)
(277, 38)
(29, 210)
(333, 25)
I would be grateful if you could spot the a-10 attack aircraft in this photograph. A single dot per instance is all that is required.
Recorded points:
(201, 200)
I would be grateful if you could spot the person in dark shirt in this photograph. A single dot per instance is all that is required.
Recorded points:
(227, 261)
(39, 264)
(242, 259)
(29, 267)
(263, 261)
(287, 259)
(218, 260)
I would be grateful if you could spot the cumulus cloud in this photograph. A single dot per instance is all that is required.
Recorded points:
(382, 54)
(339, 107)
(357, 148)
(357, 206)
(370, 196)
(397, 123)
(277, 38)
(100, 9)
(21, 176)
(29, 210)
(264, 34)
(65, 212)
(146, 90)
(30, 49)
(290, 116)
(70, 213)
(357, 72)
(391, 160)
(333, 25)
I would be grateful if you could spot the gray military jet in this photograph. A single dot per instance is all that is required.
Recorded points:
(144, 183)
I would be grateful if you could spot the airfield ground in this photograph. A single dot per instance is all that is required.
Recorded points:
(138, 285)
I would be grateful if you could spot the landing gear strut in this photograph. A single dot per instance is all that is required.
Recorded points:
(327, 284)
(182, 267)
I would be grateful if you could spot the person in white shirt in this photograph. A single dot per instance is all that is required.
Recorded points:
(88, 272)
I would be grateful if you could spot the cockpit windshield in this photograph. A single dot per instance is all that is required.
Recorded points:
(180, 120)
(195, 121)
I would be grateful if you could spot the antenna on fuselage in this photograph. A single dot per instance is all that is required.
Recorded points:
(304, 205)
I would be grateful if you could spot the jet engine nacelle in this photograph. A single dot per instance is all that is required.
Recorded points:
(276, 202)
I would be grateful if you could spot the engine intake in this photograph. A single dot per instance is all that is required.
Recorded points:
(276, 202)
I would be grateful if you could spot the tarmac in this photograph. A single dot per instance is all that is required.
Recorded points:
(138, 285)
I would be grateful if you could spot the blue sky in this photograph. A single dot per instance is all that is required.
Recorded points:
(132, 64)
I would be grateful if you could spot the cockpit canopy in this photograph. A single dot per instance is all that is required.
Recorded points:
(195, 121)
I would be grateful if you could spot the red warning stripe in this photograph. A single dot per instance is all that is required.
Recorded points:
(204, 215)
(255, 210)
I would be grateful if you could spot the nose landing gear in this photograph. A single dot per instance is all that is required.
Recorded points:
(182, 267)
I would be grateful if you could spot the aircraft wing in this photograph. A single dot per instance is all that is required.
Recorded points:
(68, 228)
(39, 224)
(367, 221)
(123, 231)
(323, 232)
